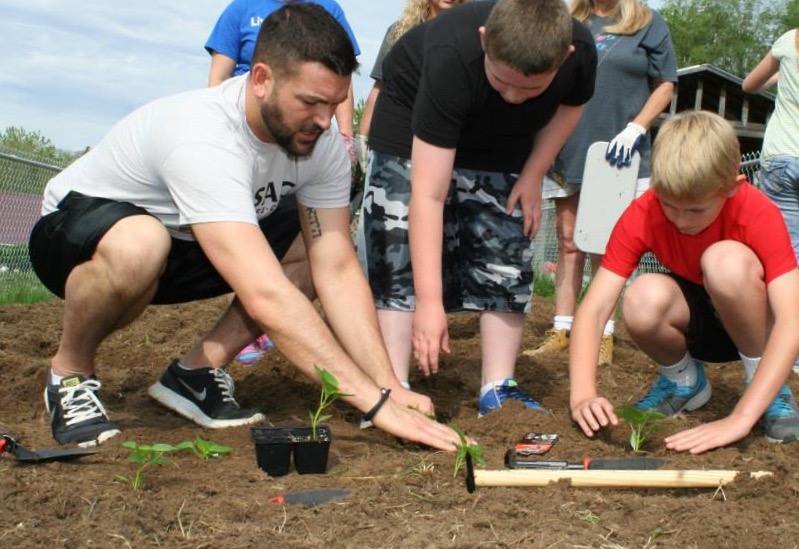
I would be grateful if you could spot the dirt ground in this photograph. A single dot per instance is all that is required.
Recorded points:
(397, 495)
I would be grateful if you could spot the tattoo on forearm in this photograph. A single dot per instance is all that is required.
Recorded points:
(313, 221)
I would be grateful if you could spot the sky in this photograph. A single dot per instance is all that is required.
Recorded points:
(73, 68)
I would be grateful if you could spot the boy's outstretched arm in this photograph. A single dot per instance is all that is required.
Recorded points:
(431, 174)
(781, 350)
(548, 142)
(588, 409)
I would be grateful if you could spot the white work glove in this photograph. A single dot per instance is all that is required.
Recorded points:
(362, 151)
(621, 149)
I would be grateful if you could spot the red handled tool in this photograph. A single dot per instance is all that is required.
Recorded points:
(309, 498)
(515, 461)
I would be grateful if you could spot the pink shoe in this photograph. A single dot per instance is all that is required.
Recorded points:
(250, 354)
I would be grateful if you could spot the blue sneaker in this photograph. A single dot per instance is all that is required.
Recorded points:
(495, 398)
(781, 420)
(669, 399)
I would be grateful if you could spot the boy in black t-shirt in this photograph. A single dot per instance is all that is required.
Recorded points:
(479, 100)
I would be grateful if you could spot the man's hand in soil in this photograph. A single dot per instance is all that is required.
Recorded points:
(709, 435)
(410, 424)
(415, 401)
(593, 414)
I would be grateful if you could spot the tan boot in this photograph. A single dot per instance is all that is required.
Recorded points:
(555, 340)
(606, 350)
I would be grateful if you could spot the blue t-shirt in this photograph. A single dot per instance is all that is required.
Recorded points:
(236, 31)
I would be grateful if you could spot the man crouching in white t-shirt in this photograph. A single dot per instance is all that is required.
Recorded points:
(184, 192)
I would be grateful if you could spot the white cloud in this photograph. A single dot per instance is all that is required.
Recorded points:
(72, 69)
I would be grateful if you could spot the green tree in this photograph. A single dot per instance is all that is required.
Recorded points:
(35, 145)
(732, 35)
(358, 114)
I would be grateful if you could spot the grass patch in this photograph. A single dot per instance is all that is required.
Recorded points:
(22, 287)
(544, 284)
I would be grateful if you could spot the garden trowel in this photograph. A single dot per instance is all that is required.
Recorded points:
(8, 444)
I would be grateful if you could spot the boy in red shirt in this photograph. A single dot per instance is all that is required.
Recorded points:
(732, 292)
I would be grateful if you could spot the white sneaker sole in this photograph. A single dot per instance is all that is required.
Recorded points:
(105, 435)
(189, 410)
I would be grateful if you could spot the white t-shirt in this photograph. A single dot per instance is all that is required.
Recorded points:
(191, 158)
(782, 137)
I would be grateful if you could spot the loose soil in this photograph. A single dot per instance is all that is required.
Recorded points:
(398, 495)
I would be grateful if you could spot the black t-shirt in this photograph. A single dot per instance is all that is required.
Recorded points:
(435, 87)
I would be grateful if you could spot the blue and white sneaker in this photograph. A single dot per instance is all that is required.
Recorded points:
(508, 389)
(669, 399)
(781, 420)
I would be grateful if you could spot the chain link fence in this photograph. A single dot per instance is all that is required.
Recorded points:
(22, 181)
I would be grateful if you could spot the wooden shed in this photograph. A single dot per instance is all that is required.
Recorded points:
(709, 88)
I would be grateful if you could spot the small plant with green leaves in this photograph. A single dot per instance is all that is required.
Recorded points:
(145, 455)
(642, 424)
(330, 393)
(465, 448)
(207, 449)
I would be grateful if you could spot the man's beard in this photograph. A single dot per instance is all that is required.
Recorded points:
(284, 136)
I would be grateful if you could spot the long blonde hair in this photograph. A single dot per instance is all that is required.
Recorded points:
(630, 15)
(415, 12)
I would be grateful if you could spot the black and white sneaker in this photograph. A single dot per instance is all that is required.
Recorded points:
(76, 414)
(203, 395)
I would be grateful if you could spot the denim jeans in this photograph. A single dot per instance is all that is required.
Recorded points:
(779, 179)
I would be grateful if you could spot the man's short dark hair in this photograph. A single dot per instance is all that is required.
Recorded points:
(301, 33)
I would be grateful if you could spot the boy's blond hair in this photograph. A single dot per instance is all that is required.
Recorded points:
(695, 154)
(529, 36)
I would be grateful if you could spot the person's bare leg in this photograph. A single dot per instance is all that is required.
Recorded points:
(727, 268)
(297, 270)
(501, 338)
(571, 261)
(110, 290)
(568, 279)
(656, 316)
(232, 331)
(397, 330)
(296, 267)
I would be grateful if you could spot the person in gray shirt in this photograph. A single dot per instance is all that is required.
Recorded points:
(636, 72)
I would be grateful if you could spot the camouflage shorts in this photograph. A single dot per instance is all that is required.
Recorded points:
(487, 263)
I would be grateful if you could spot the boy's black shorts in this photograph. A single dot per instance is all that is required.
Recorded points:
(69, 236)
(707, 339)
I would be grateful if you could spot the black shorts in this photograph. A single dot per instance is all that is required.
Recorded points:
(706, 337)
(69, 236)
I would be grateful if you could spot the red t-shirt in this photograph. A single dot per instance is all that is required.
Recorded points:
(748, 217)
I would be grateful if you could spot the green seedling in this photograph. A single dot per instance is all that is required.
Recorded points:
(642, 424)
(330, 393)
(463, 449)
(146, 455)
(588, 516)
(206, 449)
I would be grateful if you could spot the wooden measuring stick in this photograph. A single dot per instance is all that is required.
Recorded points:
(697, 478)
